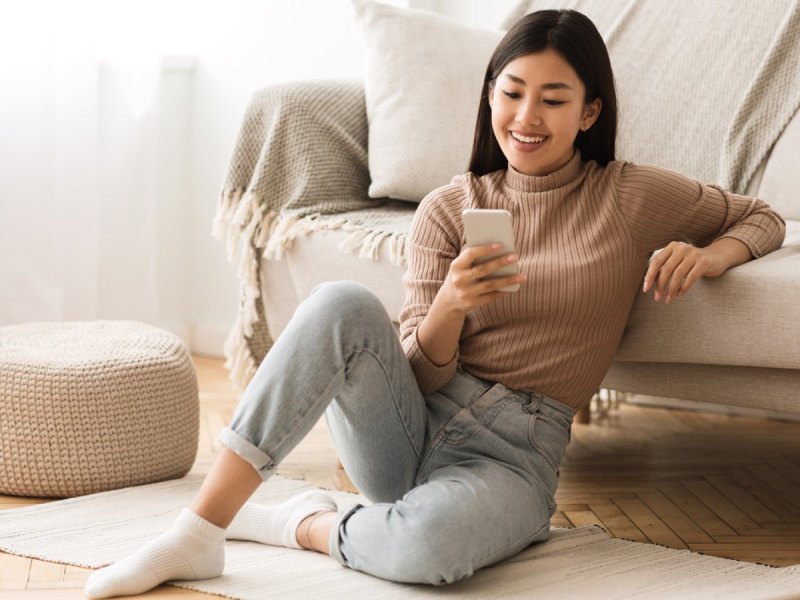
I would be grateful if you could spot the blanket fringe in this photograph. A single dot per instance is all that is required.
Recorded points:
(243, 224)
(240, 362)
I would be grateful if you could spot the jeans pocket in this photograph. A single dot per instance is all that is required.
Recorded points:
(548, 437)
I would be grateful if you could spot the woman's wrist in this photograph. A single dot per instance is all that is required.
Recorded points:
(440, 330)
(726, 253)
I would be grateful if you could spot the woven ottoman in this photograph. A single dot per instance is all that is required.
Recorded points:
(93, 406)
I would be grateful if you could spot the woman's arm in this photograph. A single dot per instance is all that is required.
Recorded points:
(716, 228)
(442, 286)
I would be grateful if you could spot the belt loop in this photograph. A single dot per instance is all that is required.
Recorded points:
(532, 401)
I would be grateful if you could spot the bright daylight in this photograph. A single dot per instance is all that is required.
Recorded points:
(399, 299)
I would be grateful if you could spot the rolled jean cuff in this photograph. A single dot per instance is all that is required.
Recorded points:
(259, 460)
(335, 539)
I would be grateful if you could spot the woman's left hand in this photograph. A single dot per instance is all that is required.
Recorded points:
(677, 267)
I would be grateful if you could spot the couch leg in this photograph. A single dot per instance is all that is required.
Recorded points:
(584, 415)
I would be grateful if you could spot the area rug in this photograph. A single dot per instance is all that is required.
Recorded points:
(91, 531)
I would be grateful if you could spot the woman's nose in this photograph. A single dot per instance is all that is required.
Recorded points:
(528, 114)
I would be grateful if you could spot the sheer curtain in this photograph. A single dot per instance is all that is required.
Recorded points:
(80, 164)
(111, 156)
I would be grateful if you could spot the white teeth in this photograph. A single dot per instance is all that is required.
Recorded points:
(528, 140)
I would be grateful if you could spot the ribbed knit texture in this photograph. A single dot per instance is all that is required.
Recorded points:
(584, 235)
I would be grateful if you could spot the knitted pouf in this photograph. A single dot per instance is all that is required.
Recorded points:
(93, 406)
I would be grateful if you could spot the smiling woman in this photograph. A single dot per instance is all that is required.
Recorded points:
(537, 111)
(545, 83)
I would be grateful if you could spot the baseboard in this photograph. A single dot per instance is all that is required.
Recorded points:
(208, 339)
(712, 407)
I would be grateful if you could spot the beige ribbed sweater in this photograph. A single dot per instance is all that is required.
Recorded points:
(584, 235)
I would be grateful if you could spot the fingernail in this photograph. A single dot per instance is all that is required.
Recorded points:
(511, 258)
(669, 298)
(496, 246)
(646, 286)
(657, 296)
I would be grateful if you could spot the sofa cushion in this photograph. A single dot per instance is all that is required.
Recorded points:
(422, 84)
(747, 317)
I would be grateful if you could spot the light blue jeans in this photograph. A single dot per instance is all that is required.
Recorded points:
(459, 479)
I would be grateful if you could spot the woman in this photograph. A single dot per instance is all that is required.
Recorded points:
(456, 432)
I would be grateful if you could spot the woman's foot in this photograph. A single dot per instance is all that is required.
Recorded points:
(192, 548)
(277, 524)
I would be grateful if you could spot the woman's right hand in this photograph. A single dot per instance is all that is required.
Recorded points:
(463, 289)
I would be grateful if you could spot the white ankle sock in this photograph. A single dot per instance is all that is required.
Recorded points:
(277, 524)
(192, 548)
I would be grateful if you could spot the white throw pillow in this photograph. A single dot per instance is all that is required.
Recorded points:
(422, 83)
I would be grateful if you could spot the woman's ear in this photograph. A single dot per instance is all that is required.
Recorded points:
(490, 94)
(590, 113)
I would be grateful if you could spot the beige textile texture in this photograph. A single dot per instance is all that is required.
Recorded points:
(573, 564)
(705, 88)
(92, 406)
(422, 84)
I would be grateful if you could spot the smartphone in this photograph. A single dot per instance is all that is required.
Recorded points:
(489, 226)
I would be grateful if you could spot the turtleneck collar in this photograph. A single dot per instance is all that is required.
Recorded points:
(543, 183)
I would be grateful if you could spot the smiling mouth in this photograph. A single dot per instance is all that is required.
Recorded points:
(536, 139)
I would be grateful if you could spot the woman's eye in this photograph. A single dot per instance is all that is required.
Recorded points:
(512, 95)
(554, 102)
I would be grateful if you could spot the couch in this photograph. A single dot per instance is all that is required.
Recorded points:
(733, 340)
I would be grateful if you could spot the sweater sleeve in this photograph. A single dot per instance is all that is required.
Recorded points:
(661, 206)
(432, 247)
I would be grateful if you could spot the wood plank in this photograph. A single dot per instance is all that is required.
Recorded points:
(45, 571)
(560, 520)
(13, 572)
(674, 518)
(696, 510)
(788, 491)
(769, 498)
(721, 506)
(617, 524)
(649, 523)
(742, 498)
(579, 518)
(789, 470)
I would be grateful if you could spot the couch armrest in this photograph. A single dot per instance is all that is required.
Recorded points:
(301, 144)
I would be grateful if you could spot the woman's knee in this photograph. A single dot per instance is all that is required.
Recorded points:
(423, 553)
(346, 301)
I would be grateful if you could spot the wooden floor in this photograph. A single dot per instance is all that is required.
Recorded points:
(721, 485)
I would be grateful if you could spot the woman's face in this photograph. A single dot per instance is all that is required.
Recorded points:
(537, 110)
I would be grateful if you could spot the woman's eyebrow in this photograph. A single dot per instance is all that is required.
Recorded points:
(556, 85)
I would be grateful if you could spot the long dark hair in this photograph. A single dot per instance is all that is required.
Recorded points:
(576, 39)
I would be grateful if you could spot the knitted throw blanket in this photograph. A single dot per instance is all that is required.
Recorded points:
(301, 154)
